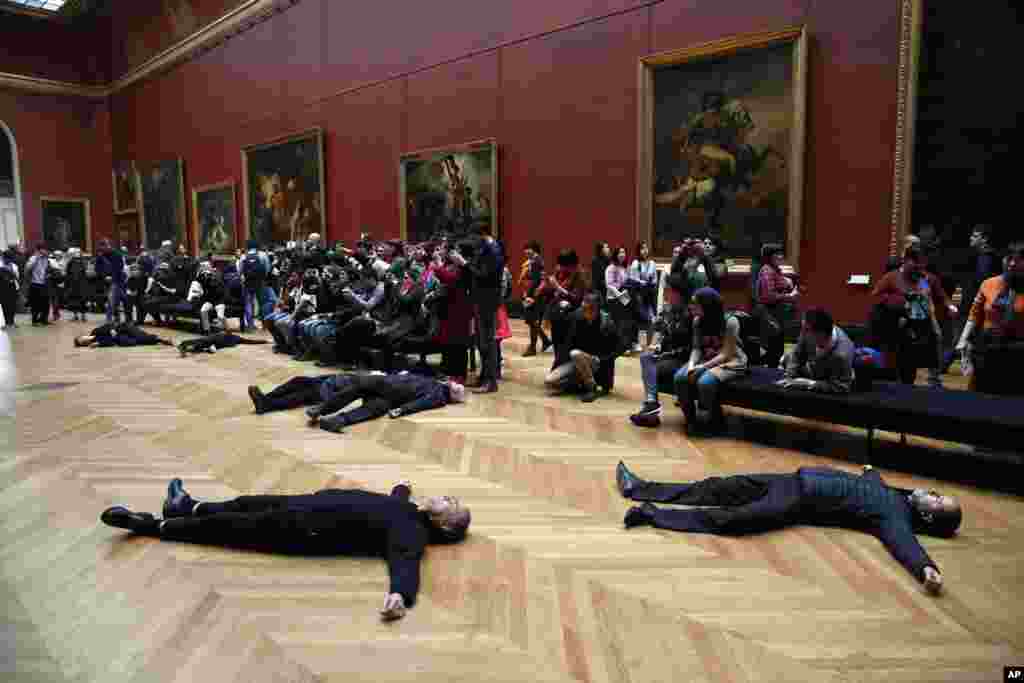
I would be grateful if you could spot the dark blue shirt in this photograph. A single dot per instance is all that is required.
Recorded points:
(835, 498)
(111, 265)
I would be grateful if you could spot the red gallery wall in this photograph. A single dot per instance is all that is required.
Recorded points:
(64, 150)
(555, 83)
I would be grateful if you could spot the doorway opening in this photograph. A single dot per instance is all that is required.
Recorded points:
(10, 190)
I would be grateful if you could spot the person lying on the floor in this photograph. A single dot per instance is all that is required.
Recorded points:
(816, 496)
(119, 334)
(328, 522)
(394, 395)
(212, 342)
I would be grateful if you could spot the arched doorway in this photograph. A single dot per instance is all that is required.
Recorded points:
(11, 214)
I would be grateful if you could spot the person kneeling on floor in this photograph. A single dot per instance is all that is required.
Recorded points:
(328, 522)
(587, 358)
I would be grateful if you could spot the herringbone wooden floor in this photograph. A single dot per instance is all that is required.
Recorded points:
(549, 586)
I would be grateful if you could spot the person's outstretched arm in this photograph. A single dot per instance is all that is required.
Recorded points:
(898, 537)
(407, 539)
(428, 400)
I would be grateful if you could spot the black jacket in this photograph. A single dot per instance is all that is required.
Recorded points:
(487, 268)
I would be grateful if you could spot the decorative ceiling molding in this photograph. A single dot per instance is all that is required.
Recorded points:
(45, 86)
(239, 20)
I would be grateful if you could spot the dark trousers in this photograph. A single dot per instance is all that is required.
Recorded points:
(287, 524)
(295, 393)
(39, 301)
(8, 302)
(487, 329)
(740, 504)
(373, 406)
(455, 360)
(127, 335)
(625, 322)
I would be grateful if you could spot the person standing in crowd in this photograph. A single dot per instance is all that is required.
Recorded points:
(76, 284)
(716, 357)
(910, 296)
(456, 319)
(486, 270)
(37, 270)
(110, 267)
(993, 337)
(598, 266)
(56, 282)
(531, 276)
(775, 296)
(986, 265)
(503, 328)
(10, 283)
(618, 298)
(685, 275)
(564, 290)
(643, 277)
(254, 269)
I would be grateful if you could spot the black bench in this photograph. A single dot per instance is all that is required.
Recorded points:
(985, 420)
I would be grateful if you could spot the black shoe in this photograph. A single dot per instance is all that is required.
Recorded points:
(177, 503)
(639, 515)
(545, 345)
(123, 518)
(641, 420)
(257, 399)
(589, 396)
(650, 408)
(529, 352)
(313, 413)
(627, 482)
(486, 388)
(335, 425)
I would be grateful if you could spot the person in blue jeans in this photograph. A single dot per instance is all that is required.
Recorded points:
(716, 357)
(254, 269)
(110, 267)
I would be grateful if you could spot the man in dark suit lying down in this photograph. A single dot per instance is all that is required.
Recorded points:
(212, 342)
(328, 522)
(394, 395)
(119, 334)
(817, 496)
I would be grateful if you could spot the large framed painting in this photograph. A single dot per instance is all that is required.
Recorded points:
(449, 190)
(163, 216)
(283, 186)
(126, 187)
(722, 144)
(66, 223)
(213, 219)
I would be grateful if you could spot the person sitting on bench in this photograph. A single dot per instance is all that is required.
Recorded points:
(715, 357)
(212, 342)
(816, 496)
(671, 351)
(119, 334)
(207, 292)
(823, 357)
(329, 522)
(394, 395)
(591, 344)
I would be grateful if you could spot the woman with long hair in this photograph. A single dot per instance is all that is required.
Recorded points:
(643, 276)
(531, 277)
(618, 297)
(564, 290)
(716, 357)
(598, 266)
(775, 297)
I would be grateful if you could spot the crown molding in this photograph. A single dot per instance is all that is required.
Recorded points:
(45, 86)
(239, 20)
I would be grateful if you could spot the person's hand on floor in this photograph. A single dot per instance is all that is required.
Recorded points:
(394, 607)
(932, 580)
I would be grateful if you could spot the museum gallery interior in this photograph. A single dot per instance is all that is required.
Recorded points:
(839, 141)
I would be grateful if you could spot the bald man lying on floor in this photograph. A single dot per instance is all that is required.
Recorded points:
(329, 395)
(329, 522)
(816, 496)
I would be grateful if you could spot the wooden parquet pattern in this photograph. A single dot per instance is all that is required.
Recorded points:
(549, 586)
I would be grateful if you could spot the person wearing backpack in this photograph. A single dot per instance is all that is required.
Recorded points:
(254, 268)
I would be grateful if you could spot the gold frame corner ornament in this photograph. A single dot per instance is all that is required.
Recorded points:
(799, 37)
(911, 28)
(87, 247)
(194, 229)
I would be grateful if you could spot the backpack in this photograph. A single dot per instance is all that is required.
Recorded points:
(253, 270)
